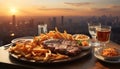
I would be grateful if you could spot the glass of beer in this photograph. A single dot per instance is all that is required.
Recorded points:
(103, 34)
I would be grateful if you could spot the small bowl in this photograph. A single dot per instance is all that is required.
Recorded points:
(82, 37)
(110, 57)
(79, 37)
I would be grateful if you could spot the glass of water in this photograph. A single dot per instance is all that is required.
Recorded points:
(42, 29)
(92, 30)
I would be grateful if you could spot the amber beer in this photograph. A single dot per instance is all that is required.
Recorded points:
(103, 35)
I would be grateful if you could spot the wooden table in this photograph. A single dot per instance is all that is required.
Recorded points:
(87, 62)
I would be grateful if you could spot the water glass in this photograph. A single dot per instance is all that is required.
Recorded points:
(42, 28)
(92, 30)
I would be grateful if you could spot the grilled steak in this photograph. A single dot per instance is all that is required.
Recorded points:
(67, 47)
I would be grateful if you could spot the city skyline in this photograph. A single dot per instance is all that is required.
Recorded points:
(73, 25)
(60, 8)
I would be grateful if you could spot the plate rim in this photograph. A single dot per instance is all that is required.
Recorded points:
(102, 58)
(26, 37)
(85, 53)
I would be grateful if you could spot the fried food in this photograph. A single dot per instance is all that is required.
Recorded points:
(35, 50)
(85, 43)
(109, 52)
(81, 37)
(52, 35)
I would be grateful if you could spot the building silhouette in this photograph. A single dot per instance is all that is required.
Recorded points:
(14, 20)
(54, 22)
(62, 20)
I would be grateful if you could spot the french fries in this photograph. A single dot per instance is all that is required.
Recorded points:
(53, 34)
(36, 51)
(33, 51)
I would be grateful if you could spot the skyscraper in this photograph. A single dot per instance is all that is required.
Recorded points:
(62, 20)
(54, 22)
(14, 20)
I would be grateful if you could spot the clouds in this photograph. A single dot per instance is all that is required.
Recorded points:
(93, 7)
(59, 9)
(107, 8)
(78, 4)
(91, 10)
(101, 9)
(63, 7)
(83, 4)
(114, 6)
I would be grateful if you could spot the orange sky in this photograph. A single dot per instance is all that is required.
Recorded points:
(56, 8)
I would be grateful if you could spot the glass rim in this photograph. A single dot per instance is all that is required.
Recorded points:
(105, 26)
(90, 24)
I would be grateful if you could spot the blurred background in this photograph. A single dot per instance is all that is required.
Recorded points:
(21, 18)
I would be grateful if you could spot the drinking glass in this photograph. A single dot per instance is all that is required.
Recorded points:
(92, 30)
(42, 28)
(103, 35)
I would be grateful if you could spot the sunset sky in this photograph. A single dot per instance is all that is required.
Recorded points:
(60, 7)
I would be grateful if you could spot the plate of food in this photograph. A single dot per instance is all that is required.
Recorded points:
(52, 47)
(83, 40)
(111, 55)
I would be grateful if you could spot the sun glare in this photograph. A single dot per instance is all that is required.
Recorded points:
(13, 11)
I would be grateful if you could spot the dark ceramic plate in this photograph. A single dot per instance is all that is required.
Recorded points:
(79, 56)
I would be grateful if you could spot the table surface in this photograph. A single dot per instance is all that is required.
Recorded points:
(86, 62)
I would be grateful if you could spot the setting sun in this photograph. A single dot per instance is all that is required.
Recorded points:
(59, 8)
(13, 11)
